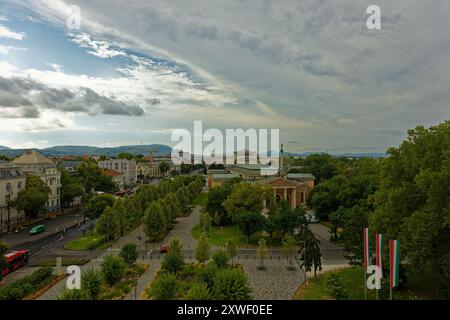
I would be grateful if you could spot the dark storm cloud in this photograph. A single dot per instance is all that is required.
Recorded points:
(28, 96)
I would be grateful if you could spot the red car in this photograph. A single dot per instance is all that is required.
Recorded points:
(163, 250)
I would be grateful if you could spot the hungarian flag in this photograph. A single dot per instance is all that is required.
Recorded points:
(395, 262)
(366, 248)
(379, 252)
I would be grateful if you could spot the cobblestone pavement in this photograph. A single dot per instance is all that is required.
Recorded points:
(276, 282)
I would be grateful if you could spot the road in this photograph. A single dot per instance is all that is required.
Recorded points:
(22, 240)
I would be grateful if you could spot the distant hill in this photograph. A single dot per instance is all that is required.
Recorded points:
(60, 151)
(4, 148)
(338, 155)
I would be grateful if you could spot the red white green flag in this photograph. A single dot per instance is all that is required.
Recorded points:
(379, 252)
(366, 249)
(395, 262)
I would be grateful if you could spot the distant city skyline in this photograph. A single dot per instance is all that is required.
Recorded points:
(138, 70)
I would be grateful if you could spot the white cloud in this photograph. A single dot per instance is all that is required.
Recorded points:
(5, 32)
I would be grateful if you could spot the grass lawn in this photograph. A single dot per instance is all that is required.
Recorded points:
(352, 280)
(89, 242)
(220, 236)
(201, 199)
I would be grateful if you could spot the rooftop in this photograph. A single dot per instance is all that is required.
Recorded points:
(32, 157)
(300, 176)
(224, 176)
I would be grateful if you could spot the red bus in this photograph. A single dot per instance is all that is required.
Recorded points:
(15, 260)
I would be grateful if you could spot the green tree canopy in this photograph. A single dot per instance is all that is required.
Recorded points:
(413, 203)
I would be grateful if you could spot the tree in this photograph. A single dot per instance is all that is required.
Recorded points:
(310, 255)
(126, 155)
(247, 197)
(231, 250)
(107, 224)
(203, 249)
(71, 188)
(289, 248)
(164, 167)
(154, 223)
(31, 202)
(261, 252)
(231, 284)
(173, 261)
(339, 219)
(352, 236)
(249, 222)
(129, 253)
(220, 258)
(93, 178)
(97, 204)
(35, 182)
(413, 203)
(205, 221)
(3, 251)
(121, 216)
(214, 204)
(33, 199)
(198, 291)
(112, 268)
(322, 166)
(91, 281)
(165, 287)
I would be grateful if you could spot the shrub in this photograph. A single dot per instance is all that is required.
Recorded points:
(113, 268)
(91, 284)
(207, 275)
(129, 253)
(74, 294)
(165, 287)
(221, 258)
(173, 262)
(198, 291)
(231, 284)
(27, 285)
(335, 288)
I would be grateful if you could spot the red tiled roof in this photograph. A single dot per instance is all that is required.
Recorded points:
(111, 173)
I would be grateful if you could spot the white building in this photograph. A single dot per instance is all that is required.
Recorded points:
(12, 180)
(34, 163)
(124, 166)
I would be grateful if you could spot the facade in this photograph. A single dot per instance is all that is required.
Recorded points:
(12, 180)
(117, 177)
(295, 188)
(296, 193)
(34, 163)
(124, 166)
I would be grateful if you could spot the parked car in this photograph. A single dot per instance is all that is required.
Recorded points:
(37, 229)
(163, 250)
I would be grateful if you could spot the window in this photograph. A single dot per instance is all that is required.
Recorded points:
(8, 187)
(19, 185)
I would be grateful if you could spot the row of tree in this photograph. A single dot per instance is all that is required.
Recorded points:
(156, 205)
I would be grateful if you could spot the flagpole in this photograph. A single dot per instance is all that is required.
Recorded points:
(365, 283)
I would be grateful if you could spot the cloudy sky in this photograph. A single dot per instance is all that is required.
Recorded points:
(136, 70)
